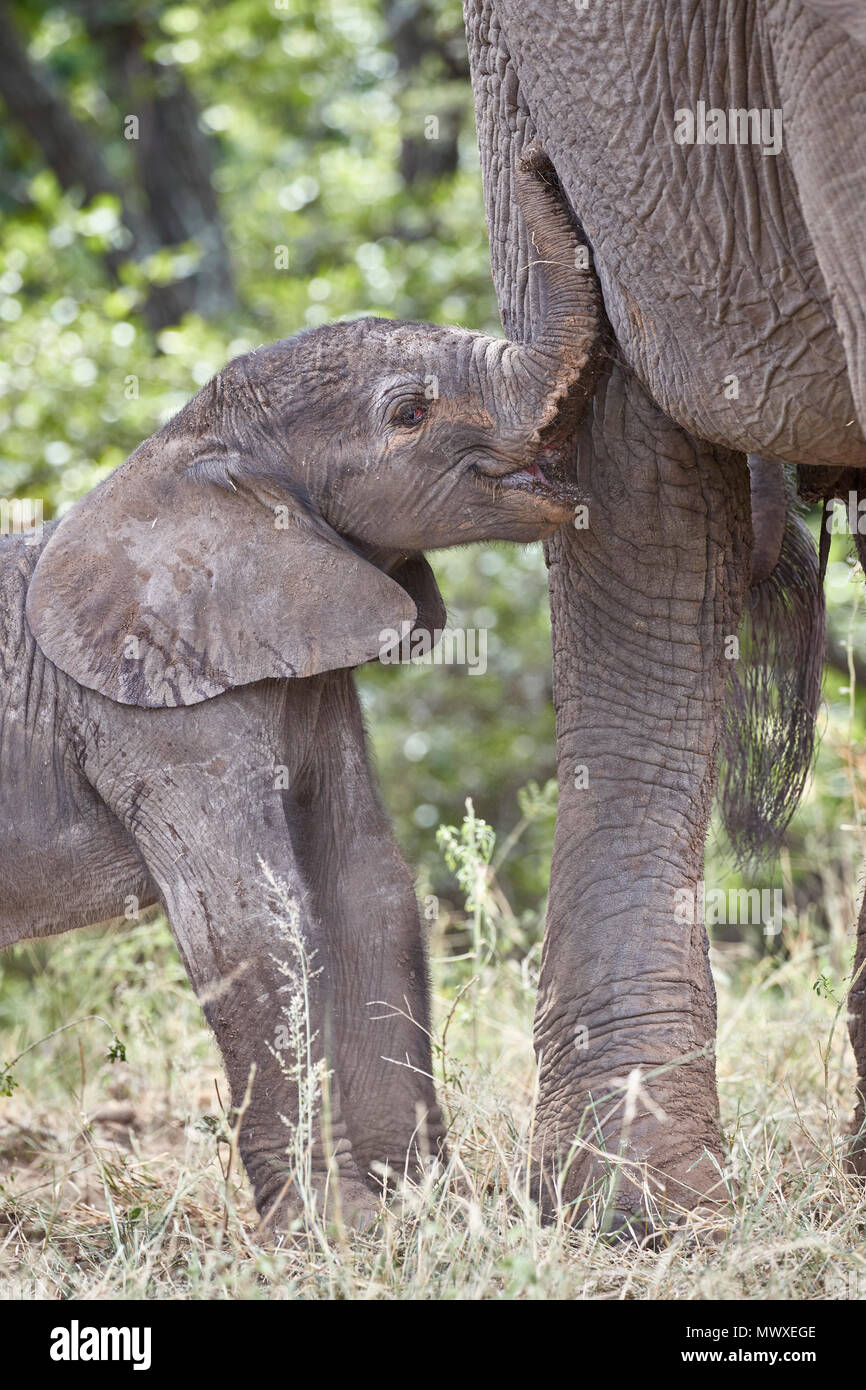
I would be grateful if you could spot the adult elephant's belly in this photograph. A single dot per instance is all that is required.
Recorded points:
(762, 370)
(716, 294)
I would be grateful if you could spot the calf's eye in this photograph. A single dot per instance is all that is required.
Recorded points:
(409, 415)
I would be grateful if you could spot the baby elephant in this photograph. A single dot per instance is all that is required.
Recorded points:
(177, 707)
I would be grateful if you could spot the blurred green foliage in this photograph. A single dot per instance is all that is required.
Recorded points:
(316, 117)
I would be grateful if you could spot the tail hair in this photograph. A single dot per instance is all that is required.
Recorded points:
(773, 695)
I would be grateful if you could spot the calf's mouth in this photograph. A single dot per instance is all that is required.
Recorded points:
(542, 476)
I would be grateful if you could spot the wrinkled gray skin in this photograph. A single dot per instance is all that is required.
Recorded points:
(713, 260)
(182, 640)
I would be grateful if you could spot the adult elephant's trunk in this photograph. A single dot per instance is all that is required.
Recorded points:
(556, 370)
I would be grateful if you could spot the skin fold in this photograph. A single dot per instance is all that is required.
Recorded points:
(734, 281)
(177, 707)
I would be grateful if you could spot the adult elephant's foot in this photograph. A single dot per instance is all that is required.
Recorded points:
(391, 1148)
(636, 1161)
(349, 1205)
(855, 1159)
(331, 1198)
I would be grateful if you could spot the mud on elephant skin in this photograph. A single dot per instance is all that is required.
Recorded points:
(177, 706)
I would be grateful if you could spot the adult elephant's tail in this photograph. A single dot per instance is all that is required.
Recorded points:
(768, 738)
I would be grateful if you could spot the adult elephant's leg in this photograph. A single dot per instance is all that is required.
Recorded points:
(363, 893)
(195, 787)
(642, 602)
(857, 1033)
(645, 602)
(857, 995)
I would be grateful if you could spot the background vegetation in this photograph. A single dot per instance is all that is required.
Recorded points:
(282, 176)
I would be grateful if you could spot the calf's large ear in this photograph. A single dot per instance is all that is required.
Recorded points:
(162, 587)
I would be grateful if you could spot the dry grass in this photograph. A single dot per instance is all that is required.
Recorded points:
(113, 1181)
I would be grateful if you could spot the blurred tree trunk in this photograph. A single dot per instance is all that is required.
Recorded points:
(67, 148)
(427, 62)
(172, 156)
(175, 202)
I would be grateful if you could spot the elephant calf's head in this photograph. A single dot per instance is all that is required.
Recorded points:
(403, 436)
(275, 526)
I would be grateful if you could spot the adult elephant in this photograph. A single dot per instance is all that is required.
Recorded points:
(734, 278)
